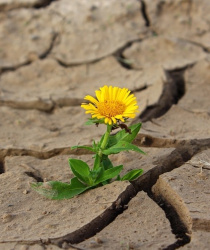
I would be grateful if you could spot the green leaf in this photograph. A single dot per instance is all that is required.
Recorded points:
(122, 146)
(105, 182)
(122, 135)
(85, 147)
(106, 163)
(133, 174)
(95, 146)
(58, 190)
(118, 178)
(81, 170)
(108, 174)
(97, 162)
(95, 174)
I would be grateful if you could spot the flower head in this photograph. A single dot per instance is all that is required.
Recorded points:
(111, 104)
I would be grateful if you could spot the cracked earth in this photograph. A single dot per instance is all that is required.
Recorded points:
(52, 54)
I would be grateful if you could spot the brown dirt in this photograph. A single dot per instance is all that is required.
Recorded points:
(52, 54)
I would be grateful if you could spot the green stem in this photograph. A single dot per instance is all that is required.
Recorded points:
(106, 139)
(98, 157)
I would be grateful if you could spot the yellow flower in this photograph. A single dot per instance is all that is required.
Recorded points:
(111, 104)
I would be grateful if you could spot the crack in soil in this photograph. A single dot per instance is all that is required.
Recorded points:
(121, 59)
(42, 105)
(143, 10)
(37, 5)
(41, 57)
(36, 176)
(145, 140)
(13, 68)
(39, 104)
(2, 169)
(51, 105)
(145, 182)
(142, 140)
(44, 3)
(38, 154)
(118, 54)
(173, 91)
(48, 51)
(42, 154)
(177, 158)
(69, 65)
(178, 228)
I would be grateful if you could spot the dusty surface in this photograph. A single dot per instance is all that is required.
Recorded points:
(144, 214)
(187, 190)
(43, 215)
(52, 54)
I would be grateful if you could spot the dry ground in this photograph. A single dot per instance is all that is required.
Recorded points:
(52, 54)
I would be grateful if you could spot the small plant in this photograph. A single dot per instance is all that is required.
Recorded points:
(112, 106)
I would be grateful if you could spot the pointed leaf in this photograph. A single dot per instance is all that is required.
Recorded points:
(81, 170)
(58, 190)
(85, 147)
(97, 162)
(122, 135)
(106, 163)
(95, 174)
(101, 140)
(79, 166)
(133, 174)
(122, 146)
(109, 174)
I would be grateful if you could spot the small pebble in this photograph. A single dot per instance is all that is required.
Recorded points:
(6, 217)
(25, 191)
(98, 240)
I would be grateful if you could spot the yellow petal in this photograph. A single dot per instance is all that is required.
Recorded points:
(105, 92)
(114, 120)
(111, 104)
(106, 120)
(91, 99)
(110, 93)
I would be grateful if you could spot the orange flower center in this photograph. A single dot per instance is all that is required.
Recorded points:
(110, 108)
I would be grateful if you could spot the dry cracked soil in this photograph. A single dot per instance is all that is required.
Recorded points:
(52, 54)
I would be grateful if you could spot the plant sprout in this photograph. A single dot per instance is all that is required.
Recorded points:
(112, 107)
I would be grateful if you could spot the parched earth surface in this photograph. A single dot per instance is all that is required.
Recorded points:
(52, 54)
